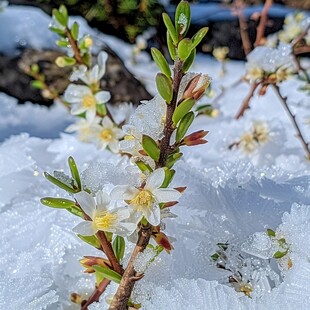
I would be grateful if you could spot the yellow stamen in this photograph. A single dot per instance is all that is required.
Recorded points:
(143, 200)
(88, 101)
(105, 221)
(106, 135)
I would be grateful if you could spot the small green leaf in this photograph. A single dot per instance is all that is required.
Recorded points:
(271, 233)
(182, 109)
(60, 18)
(169, 174)
(76, 211)
(62, 43)
(185, 48)
(189, 61)
(171, 47)
(101, 109)
(75, 30)
(150, 147)
(185, 122)
(164, 87)
(92, 240)
(74, 171)
(59, 31)
(37, 84)
(59, 183)
(35, 68)
(279, 254)
(63, 11)
(119, 247)
(143, 166)
(108, 273)
(59, 203)
(172, 159)
(199, 35)
(182, 17)
(65, 61)
(161, 62)
(170, 28)
(215, 257)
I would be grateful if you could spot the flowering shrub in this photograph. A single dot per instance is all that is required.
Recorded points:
(117, 213)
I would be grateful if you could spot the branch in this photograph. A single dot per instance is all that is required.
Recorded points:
(293, 120)
(262, 23)
(96, 294)
(244, 34)
(75, 48)
(121, 298)
(246, 103)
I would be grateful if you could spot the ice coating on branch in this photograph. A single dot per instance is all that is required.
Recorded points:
(149, 117)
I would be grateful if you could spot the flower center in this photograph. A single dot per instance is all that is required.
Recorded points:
(88, 101)
(106, 135)
(143, 200)
(105, 221)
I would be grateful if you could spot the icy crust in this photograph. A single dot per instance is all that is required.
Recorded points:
(37, 242)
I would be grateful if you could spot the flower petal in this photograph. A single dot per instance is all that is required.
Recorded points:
(102, 97)
(123, 213)
(114, 146)
(102, 199)
(75, 93)
(84, 228)
(155, 180)
(153, 215)
(86, 202)
(123, 192)
(90, 115)
(166, 194)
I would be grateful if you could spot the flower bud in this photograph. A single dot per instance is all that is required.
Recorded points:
(76, 298)
(197, 86)
(162, 240)
(89, 261)
(195, 138)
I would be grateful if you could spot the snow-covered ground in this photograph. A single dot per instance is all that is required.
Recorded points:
(230, 196)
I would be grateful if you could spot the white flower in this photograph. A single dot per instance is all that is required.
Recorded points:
(84, 129)
(102, 218)
(84, 100)
(145, 200)
(107, 135)
(93, 75)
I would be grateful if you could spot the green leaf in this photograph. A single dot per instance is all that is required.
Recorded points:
(182, 109)
(108, 273)
(171, 30)
(200, 34)
(169, 174)
(279, 254)
(74, 171)
(182, 17)
(75, 30)
(172, 159)
(215, 257)
(185, 122)
(185, 48)
(37, 84)
(171, 47)
(59, 203)
(62, 43)
(189, 61)
(161, 62)
(63, 11)
(143, 166)
(59, 183)
(60, 18)
(59, 31)
(92, 240)
(119, 247)
(164, 87)
(150, 147)
(65, 61)
(101, 109)
(271, 233)
(76, 211)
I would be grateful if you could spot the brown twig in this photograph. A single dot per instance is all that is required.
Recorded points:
(121, 298)
(260, 33)
(96, 294)
(246, 103)
(107, 248)
(75, 48)
(293, 120)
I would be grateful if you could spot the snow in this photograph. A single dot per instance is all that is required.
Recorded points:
(230, 196)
